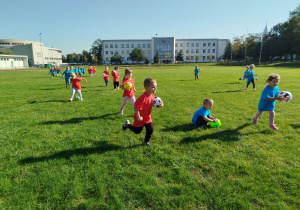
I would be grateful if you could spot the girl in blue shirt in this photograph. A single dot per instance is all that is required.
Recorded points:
(267, 101)
(250, 77)
(196, 71)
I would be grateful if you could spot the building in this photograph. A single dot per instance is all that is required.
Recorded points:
(13, 62)
(194, 50)
(36, 52)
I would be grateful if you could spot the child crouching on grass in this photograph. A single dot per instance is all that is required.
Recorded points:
(202, 115)
(142, 111)
(76, 86)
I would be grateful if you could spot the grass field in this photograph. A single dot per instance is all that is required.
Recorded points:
(75, 155)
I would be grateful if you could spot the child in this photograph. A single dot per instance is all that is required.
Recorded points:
(58, 72)
(267, 101)
(246, 73)
(76, 86)
(250, 77)
(142, 111)
(90, 71)
(128, 94)
(67, 76)
(197, 72)
(94, 70)
(116, 75)
(106, 78)
(52, 72)
(202, 115)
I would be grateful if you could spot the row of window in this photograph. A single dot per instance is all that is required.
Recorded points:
(47, 58)
(123, 52)
(197, 44)
(197, 51)
(127, 45)
(203, 57)
(2, 43)
(15, 59)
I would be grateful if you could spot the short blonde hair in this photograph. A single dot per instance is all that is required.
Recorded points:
(148, 82)
(252, 65)
(208, 100)
(273, 76)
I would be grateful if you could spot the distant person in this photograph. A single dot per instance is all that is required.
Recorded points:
(267, 100)
(142, 111)
(116, 75)
(76, 86)
(52, 72)
(202, 116)
(250, 77)
(106, 78)
(66, 74)
(90, 71)
(58, 70)
(128, 93)
(94, 70)
(196, 71)
(245, 73)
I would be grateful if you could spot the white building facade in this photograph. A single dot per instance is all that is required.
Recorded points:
(13, 62)
(36, 52)
(194, 50)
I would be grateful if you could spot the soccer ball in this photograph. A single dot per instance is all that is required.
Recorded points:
(215, 124)
(128, 85)
(103, 74)
(77, 98)
(287, 96)
(256, 79)
(156, 101)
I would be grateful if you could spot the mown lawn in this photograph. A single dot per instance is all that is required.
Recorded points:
(75, 155)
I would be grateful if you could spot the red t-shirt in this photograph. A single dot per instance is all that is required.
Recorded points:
(106, 78)
(94, 70)
(144, 105)
(90, 71)
(76, 83)
(116, 75)
(131, 92)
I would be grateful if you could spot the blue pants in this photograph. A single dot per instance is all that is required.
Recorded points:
(106, 83)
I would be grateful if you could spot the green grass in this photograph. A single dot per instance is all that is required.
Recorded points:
(75, 155)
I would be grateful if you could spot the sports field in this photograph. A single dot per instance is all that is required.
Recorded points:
(75, 155)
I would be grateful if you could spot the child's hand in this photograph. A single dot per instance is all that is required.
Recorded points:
(215, 120)
(161, 104)
(127, 89)
(140, 118)
(281, 98)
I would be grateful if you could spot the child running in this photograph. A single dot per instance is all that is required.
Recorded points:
(267, 101)
(67, 76)
(128, 93)
(142, 111)
(250, 77)
(196, 71)
(246, 73)
(76, 86)
(116, 75)
(202, 115)
(106, 78)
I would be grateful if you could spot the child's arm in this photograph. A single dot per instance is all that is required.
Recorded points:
(212, 119)
(122, 87)
(161, 104)
(84, 79)
(279, 98)
(137, 114)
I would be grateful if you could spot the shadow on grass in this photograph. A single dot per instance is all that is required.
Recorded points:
(228, 91)
(226, 135)
(79, 119)
(295, 126)
(232, 83)
(35, 102)
(100, 148)
(182, 127)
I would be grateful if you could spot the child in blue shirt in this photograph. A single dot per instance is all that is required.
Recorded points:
(250, 77)
(196, 71)
(67, 76)
(58, 70)
(267, 101)
(202, 115)
(246, 73)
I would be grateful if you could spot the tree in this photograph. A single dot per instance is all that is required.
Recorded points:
(116, 58)
(209, 57)
(188, 58)
(97, 49)
(197, 58)
(227, 52)
(137, 55)
(87, 57)
(156, 58)
(63, 58)
(6, 52)
(168, 56)
(179, 56)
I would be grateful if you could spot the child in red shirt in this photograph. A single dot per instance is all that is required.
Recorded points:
(90, 70)
(94, 70)
(142, 111)
(106, 78)
(128, 93)
(116, 76)
(76, 86)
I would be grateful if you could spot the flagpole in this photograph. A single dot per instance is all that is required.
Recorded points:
(232, 48)
(246, 48)
(265, 32)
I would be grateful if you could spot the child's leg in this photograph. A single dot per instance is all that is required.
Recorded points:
(132, 101)
(247, 84)
(200, 122)
(79, 93)
(125, 100)
(106, 83)
(66, 82)
(149, 131)
(118, 85)
(257, 115)
(253, 84)
(271, 117)
(72, 94)
(115, 85)
(135, 130)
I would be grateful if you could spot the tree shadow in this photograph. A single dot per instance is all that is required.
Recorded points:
(232, 83)
(228, 91)
(182, 127)
(226, 135)
(100, 148)
(295, 126)
(79, 119)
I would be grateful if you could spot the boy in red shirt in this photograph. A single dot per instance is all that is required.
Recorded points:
(116, 76)
(76, 86)
(106, 78)
(142, 111)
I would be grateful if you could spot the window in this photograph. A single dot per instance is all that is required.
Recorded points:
(187, 44)
(116, 52)
(214, 44)
(149, 52)
(176, 45)
(106, 45)
(192, 57)
(208, 51)
(187, 51)
(144, 45)
(139, 45)
(192, 45)
(144, 52)
(111, 52)
(116, 46)
(204, 51)
(127, 45)
(111, 46)
(127, 52)
(208, 45)
(176, 51)
(192, 50)
(204, 44)
(213, 57)
(128, 58)
(203, 57)
(148, 45)
(213, 50)
(132, 45)
(181, 44)
(106, 58)
(197, 44)
(123, 52)
(122, 45)
(106, 52)
(197, 50)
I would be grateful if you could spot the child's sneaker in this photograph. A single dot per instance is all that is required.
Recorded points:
(254, 121)
(70, 100)
(254, 89)
(273, 127)
(125, 125)
(147, 144)
(121, 111)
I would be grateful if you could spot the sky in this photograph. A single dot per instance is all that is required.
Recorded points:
(73, 25)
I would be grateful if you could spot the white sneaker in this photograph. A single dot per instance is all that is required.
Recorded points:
(254, 89)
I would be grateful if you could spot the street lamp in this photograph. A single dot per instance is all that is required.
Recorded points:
(41, 48)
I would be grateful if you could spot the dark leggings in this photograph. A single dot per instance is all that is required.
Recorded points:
(200, 121)
(116, 84)
(252, 83)
(149, 130)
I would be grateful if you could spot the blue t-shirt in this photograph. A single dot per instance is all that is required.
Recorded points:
(197, 71)
(268, 92)
(76, 71)
(246, 74)
(200, 112)
(250, 77)
(66, 73)
(58, 71)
